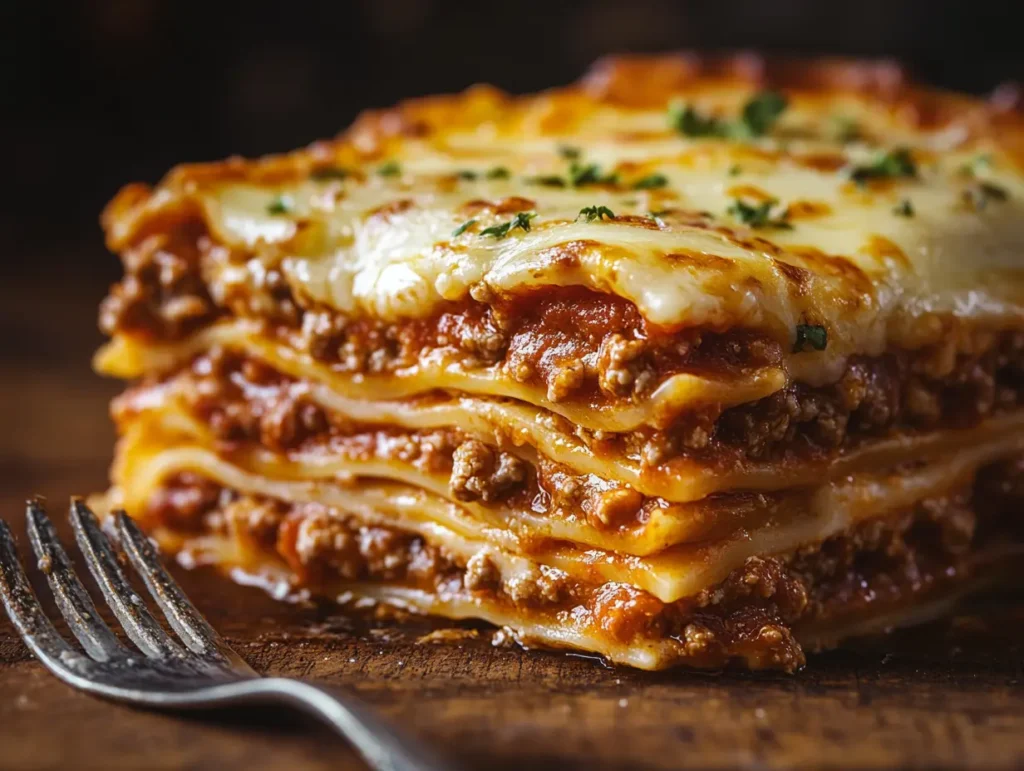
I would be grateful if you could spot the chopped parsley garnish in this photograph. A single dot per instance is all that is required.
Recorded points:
(589, 174)
(891, 165)
(521, 221)
(282, 204)
(759, 216)
(757, 118)
(650, 182)
(591, 213)
(904, 209)
(762, 111)
(389, 169)
(569, 153)
(548, 180)
(813, 336)
(843, 129)
(980, 194)
(463, 228)
(467, 174)
(329, 172)
(995, 192)
(498, 172)
(687, 121)
(735, 170)
(976, 164)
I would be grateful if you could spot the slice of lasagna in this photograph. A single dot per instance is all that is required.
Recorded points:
(695, 362)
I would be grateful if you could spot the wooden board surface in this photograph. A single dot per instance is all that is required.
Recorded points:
(949, 695)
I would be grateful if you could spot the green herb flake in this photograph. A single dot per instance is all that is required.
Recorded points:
(843, 129)
(569, 153)
(463, 228)
(685, 119)
(735, 170)
(389, 169)
(282, 204)
(810, 337)
(467, 174)
(328, 173)
(982, 193)
(520, 221)
(591, 213)
(650, 182)
(995, 192)
(891, 165)
(759, 216)
(976, 164)
(758, 118)
(762, 111)
(589, 174)
(904, 208)
(498, 172)
(547, 180)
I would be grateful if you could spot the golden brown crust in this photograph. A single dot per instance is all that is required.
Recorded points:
(624, 81)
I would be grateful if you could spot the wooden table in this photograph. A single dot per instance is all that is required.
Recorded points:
(948, 695)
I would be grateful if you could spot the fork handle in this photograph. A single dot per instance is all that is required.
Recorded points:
(381, 745)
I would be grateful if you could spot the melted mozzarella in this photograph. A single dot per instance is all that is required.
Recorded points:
(384, 246)
(947, 258)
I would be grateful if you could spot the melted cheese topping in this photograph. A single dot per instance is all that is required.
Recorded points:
(384, 245)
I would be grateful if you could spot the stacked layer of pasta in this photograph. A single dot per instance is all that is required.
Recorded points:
(698, 361)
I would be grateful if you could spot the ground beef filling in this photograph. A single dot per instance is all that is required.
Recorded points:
(162, 295)
(896, 393)
(571, 342)
(580, 345)
(751, 616)
(244, 402)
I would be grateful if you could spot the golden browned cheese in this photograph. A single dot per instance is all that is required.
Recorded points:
(365, 224)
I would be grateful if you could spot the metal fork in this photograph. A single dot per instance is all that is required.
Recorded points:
(199, 672)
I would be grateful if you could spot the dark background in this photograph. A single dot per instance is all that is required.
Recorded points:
(97, 94)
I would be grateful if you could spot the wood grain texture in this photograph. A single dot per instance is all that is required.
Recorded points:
(949, 695)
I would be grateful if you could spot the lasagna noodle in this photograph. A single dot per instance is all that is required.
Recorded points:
(653, 527)
(607, 618)
(146, 458)
(522, 425)
(128, 358)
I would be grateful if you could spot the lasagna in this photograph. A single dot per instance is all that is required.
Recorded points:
(700, 361)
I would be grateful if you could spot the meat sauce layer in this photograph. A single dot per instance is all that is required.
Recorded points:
(578, 345)
(246, 403)
(752, 617)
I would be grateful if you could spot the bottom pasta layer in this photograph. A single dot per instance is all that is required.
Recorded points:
(880, 573)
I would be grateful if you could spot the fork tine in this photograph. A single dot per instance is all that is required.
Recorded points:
(72, 599)
(24, 610)
(127, 605)
(182, 615)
